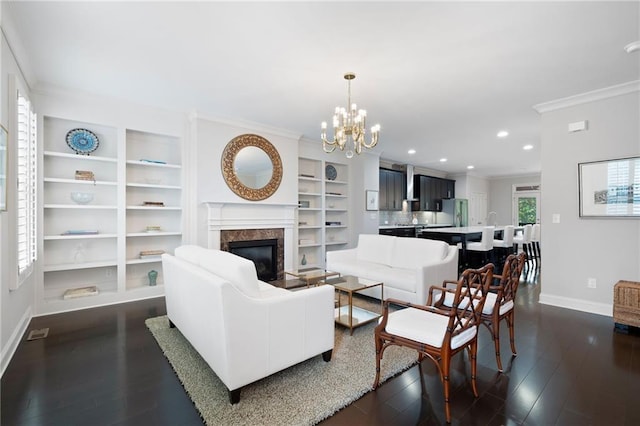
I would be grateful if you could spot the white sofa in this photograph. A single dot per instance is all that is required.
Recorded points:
(243, 328)
(407, 266)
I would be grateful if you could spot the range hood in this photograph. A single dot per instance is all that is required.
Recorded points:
(407, 169)
(410, 196)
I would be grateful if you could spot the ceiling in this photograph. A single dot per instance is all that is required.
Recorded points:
(440, 77)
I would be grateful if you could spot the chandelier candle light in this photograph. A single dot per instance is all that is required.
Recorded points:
(349, 128)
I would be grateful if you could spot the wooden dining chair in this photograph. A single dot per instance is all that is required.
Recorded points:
(500, 302)
(438, 334)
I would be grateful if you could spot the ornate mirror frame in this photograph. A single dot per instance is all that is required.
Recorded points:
(229, 156)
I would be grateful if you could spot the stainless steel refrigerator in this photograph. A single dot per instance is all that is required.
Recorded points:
(458, 208)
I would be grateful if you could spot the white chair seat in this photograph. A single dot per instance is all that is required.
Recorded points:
(425, 327)
(490, 302)
(487, 309)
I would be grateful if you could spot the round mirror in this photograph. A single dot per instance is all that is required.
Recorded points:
(251, 166)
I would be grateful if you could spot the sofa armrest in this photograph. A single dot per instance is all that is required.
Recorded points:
(263, 336)
(436, 273)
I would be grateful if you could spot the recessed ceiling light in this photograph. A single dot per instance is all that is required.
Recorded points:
(443, 160)
(411, 151)
(527, 147)
(632, 47)
(470, 167)
(502, 134)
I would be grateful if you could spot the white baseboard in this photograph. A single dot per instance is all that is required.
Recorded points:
(12, 344)
(577, 304)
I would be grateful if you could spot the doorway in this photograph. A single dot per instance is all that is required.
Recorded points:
(526, 204)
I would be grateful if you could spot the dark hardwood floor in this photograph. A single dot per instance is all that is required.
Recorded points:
(102, 367)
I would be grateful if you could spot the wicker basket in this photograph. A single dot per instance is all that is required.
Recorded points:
(626, 303)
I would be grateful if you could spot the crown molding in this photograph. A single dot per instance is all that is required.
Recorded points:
(249, 125)
(594, 95)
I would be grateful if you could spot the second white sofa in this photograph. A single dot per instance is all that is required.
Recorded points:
(407, 266)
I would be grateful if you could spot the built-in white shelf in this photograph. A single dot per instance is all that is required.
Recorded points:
(152, 185)
(154, 208)
(334, 243)
(79, 206)
(79, 237)
(152, 234)
(83, 265)
(145, 260)
(152, 164)
(81, 182)
(310, 245)
(309, 227)
(79, 157)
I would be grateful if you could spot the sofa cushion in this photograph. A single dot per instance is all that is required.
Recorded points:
(376, 248)
(415, 252)
(400, 278)
(240, 272)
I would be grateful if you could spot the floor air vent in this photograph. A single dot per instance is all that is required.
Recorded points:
(38, 334)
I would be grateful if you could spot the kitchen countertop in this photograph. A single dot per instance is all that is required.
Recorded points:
(419, 225)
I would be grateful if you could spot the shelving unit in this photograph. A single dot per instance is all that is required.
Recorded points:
(153, 175)
(321, 201)
(98, 243)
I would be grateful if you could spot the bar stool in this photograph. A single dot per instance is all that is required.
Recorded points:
(504, 247)
(524, 241)
(535, 241)
(484, 247)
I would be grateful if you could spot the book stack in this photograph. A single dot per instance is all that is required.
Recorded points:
(154, 228)
(80, 232)
(74, 293)
(144, 254)
(153, 203)
(85, 175)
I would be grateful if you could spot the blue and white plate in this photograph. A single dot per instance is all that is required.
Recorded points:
(82, 141)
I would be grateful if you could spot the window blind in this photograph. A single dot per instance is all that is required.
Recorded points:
(26, 186)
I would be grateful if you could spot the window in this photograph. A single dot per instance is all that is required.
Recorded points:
(26, 185)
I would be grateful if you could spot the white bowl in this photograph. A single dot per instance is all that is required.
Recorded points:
(82, 197)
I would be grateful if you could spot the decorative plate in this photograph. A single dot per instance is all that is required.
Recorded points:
(331, 172)
(82, 141)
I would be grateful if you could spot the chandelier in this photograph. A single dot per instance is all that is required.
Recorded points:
(349, 128)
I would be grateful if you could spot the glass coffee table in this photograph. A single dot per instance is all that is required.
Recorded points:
(312, 276)
(349, 315)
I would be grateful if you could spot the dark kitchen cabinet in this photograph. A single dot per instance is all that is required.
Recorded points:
(392, 189)
(429, 192)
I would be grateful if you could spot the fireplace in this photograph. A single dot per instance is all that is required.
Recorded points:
(260, 243)
(263, 253)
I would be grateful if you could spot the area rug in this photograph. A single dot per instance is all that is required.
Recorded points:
(304, 394)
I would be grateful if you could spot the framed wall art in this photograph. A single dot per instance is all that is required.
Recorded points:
(372, 200)
(609, 188)
(4, 147)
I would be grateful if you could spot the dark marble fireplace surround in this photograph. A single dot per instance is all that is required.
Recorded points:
(227, 236)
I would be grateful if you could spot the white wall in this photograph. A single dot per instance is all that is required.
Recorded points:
(501, 195)
(579, 248)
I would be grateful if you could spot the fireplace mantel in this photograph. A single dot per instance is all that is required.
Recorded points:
(239, 215)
